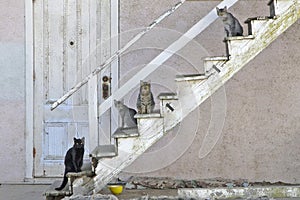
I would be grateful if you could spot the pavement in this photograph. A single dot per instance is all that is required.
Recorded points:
(35, 192)
(22, 192)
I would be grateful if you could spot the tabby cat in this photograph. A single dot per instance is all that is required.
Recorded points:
(145, 102)
(73, 160)
(127, 114)
(231, 25)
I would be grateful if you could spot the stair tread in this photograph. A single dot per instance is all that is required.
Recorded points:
(248, 37)
(51, 192)
(55, 193)
(168, 96)
(258, 18)
(150, 115)
(191, 77)
(103, 151)
(80, 174)
(126, 132)
(216, 58)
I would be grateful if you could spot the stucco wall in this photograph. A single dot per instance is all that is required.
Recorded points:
(12, 103)
(260, 137)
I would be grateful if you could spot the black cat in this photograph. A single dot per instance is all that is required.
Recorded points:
(73, 160)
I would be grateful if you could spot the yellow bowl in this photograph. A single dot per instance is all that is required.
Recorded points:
(116, 189)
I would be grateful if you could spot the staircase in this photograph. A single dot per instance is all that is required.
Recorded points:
(193, 90)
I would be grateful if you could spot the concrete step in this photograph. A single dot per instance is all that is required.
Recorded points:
(255, 23)
(126, 132)
(80, 174)
(214, 64)
(276, 7)
(104, 151)
(168, 96)
(52, 194)
(150, 115)
(266, 192)
(166, 102)
(235, 45)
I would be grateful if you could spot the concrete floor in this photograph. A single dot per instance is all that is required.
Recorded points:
(35, 192)
(22, 192)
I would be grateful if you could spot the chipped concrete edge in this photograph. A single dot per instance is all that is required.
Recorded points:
(233, 193)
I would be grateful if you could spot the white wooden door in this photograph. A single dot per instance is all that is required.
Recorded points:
(68, 37)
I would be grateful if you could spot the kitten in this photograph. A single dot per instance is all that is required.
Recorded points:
(127, 114)
(145, 102)
(73, 160)
(231, 24)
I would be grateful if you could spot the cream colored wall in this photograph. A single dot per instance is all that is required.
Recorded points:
(12, 87)
(260, 137)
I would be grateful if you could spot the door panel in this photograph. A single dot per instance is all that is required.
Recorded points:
(67, 46)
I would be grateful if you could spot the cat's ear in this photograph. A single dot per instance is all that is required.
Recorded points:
(74, 139)
(82, 140)
(225, 8)
(218, 10)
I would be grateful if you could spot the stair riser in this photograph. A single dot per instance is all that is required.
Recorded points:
(255, 25)
(209, 69)
(236, 48)
(171, 117)
(277, 6)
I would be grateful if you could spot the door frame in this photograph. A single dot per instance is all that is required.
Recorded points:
(29, 173)
(29, 81)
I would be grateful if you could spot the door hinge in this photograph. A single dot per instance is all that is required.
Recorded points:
(33, 75)
(33, 152)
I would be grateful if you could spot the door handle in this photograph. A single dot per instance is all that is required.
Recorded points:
(105, 87)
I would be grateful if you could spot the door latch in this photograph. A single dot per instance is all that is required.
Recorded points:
(105, 87)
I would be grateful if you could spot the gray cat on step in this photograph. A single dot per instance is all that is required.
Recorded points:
(231, 24)
(145, 102)
(127, 114)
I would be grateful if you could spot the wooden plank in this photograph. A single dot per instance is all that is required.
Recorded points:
(85, 42)
(79, 69)
(40, 26)
(71, 48)
(115, 64)
(105, 50)
(56, 65)
(55, 145)
(66, 114)
(92, 84)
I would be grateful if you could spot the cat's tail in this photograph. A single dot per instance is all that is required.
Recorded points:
(64, 183)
